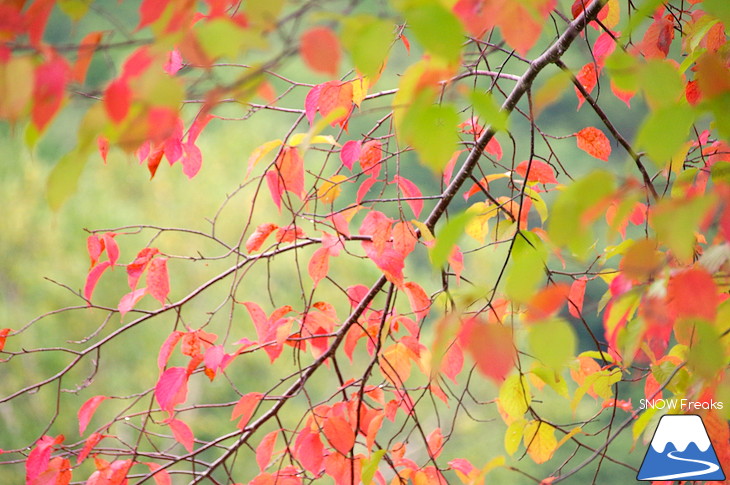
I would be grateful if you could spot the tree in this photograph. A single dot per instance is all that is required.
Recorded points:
(428, 247)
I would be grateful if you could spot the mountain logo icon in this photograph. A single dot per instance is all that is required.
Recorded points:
(680, 450)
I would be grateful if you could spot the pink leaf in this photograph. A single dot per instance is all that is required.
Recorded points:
(161, 477)
(201, 121)
(93, 277)
(158, 281)
(192, 160)
(435, 441)
(40, 457)
(87, 410)
(494, 148)
(350, 153)
(182, 433)
(266, 449)
(89, 445)
(94, 248)
(411, 191)
(377, 226)
(172, 388)
(389, 261)
(245, 408)
(112, 250)
(150, 11)
(130, 299)
(453, 361)
(309, 451)
(364, 188)
(49, 85)
(312, 102)
(137, 267)
(276, 189)
(576, 295)
(174, 62)
(167, 347)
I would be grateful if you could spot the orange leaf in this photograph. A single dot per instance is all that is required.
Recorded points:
(592, 141)
(491, 347)
(266, 449)
(546, 302)
(89, 445)
(257, 239)
(339, 433)
(87, 46)
(418, 299)
(245, 408)
(320, 49)
(370, 156)
(288, 176)
(540, 172)
(693, 293)
(309, 451)
(319, 265)
(404, 238)
(161, 477)
(435, 442)
(3, 337)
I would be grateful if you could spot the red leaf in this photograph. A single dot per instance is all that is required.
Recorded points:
(103, 144)
(290, 233)
(693, 293)
(49, 84)
(350, 153)
(418, 299)
(576, 295)
(494, 148)
(453, 361)
(404, 238)
(112, 250)
(172, 388)
(40, 457)
(117, 99)
(311, 102)
(36, 18)
(319, 265)
(266, 449)
(370, 157)
(411, 191)
(182, 433)
(289, 174)
(245, 408)
(477, 15)
(592, 141)
(364, 188)
(588, 78)
(658, 38)
(174, 62)
(3, 337)
(161, 477)
(456, 261)
(603, 47)
(87, 410)
(540, 172)
(257, 239)
(342, 469)
(130, 299)
(93, 277)
(158, 281)
(320, 50)
(89, 445)
(339, 433)
(435, 442)
(624, 96)
(333, 95)
(137, 267)
(276, 189)
(150, 11)
(547, 302)
(491, 347)
(309, 451)
(389, 261)
(87, 46)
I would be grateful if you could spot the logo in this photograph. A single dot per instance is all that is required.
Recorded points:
(680, 450)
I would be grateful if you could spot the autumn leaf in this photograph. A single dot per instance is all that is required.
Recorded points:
(539, 172)
(576, 296)
(491, 346)
(540, 441)
(129, 300)
(339, 433)
(257, 239)
(87, 410)
(588, 78)
(265, 449)
(182, 433)
(592, 141)
(49, 85)
(411, 192)
(319, 265)
(309, 451)
(93, 277)
(158, 281)
(435, 442)
(245, 407)
(117, 100)
(172, 388)
(418, 299)
(320, 50)
(89, 445)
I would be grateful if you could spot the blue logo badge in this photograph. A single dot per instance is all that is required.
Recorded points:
(680, 450)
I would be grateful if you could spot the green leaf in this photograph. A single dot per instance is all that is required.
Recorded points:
(223, 38)
(368, 41)
(641, 423)
(489, 111)
(447, 237)
(707, 355)
(75, 9)
(370, 466)
(566, 226)
(624, 70)
(664, 132)
(718, 8)
(552, 378)
(513, 436)
(552, 342)
(538, 203)
(527, 262)
(64, 178)
(515, 396)
(661, 83)
(431, 130)
(676, 221)
(437, 29)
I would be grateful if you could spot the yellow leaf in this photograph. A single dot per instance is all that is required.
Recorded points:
(515, 396)
(360, 88)
(395, 363)
(331, 189)
(308, 139)
(614, 14)
(568, 436)
(539, 439)
(260, 152)
(513, 436)
(478, 226)
(426, 234)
